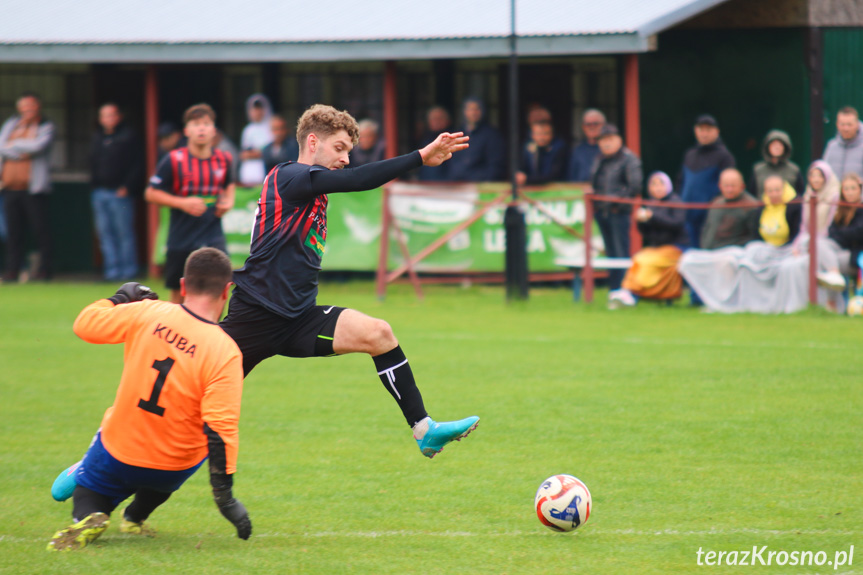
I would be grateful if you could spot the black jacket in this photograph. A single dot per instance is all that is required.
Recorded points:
(115, 159)
(666, 226)
(619, 176)
(849, 237)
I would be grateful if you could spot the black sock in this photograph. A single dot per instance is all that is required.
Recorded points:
(145, 502)
(397, 377)
(86, 502)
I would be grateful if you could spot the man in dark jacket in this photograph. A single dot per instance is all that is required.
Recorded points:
(115, 169)
(699, 175)
(483, 161)
(735, 226)
(543, 159)
(616, 173)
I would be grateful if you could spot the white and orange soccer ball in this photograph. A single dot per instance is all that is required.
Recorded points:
(562, 503)
(855, 306)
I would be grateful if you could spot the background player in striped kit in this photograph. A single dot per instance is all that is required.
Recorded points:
(195, 182)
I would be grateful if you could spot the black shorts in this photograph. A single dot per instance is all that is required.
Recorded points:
(175, 263)
(260, 333)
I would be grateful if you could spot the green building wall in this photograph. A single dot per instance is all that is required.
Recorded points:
(752, 81)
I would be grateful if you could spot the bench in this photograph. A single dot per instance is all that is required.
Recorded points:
(577, 265)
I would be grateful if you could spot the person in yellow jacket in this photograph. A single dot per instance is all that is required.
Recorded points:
(177, 404)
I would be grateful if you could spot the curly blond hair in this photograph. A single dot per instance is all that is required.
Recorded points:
(324, 121)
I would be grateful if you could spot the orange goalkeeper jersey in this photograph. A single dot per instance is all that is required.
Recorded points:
(180, 372)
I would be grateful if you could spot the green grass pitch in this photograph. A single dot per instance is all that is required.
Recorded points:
(692, 431)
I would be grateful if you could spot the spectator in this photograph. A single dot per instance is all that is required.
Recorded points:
(255, 136)
(115, 173)
(583, 155)
(25, 144)
(616, 174)
(760, 276)
(776, 150)
(222, 142)
(844, 152)
(699, 175)
(170, 138)
(283, 148)
(537, 113)
(483, 161)
(778, 221)
(543, 159)
(654, 268)
(730, 226)
(824, 186)
(197, 203)
(838, 254)
(437, 121)
(371, 147)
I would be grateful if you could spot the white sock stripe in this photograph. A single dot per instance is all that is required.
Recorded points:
(390, 369)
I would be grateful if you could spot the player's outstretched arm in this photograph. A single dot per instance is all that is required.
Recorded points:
(230, 508)
(443, 147)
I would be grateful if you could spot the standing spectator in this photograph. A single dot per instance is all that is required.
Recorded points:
(844, 152)
(115, 172)
(255, 136)
(699, 175)
(616, 173)
(371, 147)
(437, 122)
(776, 151)
(25, 144)
(654, 268)
(222, 142)
(170, 138)
(483, 161)
(583, 155)
(195, 182)
(730, 226)
(543, 159)
(283, 148)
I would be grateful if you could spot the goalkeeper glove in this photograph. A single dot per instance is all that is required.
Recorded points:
(234, 511)
(132, 291)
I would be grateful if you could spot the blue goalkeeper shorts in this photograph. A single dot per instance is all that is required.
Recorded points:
(102, 473)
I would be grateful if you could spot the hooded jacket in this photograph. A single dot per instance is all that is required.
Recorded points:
(845, 156)
(779, 224)
(783, 167)
(619, 176)
(37, 149)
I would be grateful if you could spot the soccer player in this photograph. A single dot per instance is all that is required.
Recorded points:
(178, 403)
(195, 182)
(273, 310)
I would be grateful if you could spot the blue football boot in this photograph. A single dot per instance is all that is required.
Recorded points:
(439, 434)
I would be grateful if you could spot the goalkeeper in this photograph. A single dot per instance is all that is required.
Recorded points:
(178, 403)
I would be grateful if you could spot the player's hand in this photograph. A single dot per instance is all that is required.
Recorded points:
(133, 291)
(194, 206)
(236, 513)
(442, 148)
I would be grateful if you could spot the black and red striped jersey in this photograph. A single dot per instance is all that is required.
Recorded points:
(182, 174)
(290, 232)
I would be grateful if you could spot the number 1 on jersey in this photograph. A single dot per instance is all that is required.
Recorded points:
(163, 366)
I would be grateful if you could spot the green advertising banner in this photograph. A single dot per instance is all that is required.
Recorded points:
(423, 214)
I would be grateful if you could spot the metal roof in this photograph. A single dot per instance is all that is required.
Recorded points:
(294, 30)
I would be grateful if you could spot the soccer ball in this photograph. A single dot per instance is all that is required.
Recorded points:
(855, 306)
(562, 503)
